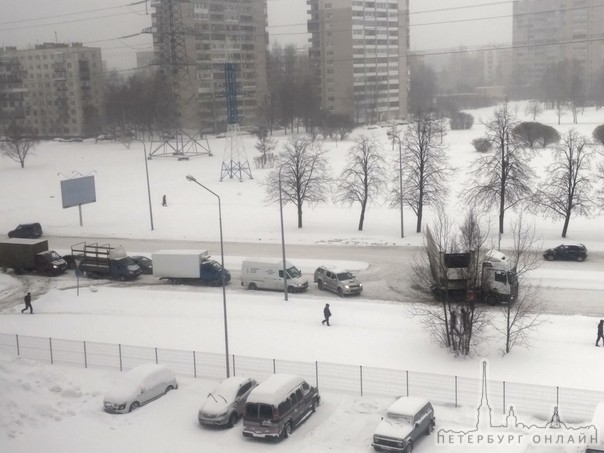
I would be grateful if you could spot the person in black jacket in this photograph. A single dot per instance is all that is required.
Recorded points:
(327, 314)
(27, 300)
(600, 332)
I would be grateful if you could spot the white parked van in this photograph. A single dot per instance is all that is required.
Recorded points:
(269, 275)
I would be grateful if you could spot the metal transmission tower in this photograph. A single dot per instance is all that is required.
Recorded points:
(234, 162)
(181, 103)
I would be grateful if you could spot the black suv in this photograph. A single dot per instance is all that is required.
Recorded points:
(568, 252)
(26, 231)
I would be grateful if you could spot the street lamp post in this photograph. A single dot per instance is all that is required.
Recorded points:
(148, 185)
(282, 235)
(400, 183)
(224, 304)
(395, 136)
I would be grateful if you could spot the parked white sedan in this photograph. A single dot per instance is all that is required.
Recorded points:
(224, 405)
(139, 386)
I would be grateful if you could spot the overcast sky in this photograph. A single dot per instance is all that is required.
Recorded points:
(435, 24)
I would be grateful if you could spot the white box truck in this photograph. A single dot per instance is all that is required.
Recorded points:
(269, 275)
(189, 266)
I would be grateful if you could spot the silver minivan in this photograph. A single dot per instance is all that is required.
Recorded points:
(278, 405)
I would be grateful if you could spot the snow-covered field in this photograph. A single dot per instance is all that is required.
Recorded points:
(58, 408)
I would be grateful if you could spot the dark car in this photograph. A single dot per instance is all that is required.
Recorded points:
(568, 252)
(26, 231)
(146, 264)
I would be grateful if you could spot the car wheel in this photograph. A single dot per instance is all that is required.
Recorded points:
(580, 258)
(429, 428)
(340, 292)
(252, 286)
(492, 299)
(549, 257)
(232, 420)
(314, 405)
(133, 406)
(320, 284)
(409, 448)
(287, 431)
(169, 388)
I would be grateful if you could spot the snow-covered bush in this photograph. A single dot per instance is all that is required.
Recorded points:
(482, 145)
(461, 120)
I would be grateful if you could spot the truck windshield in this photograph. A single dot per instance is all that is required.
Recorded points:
(293, 272)
(345, 276)
(54, 255)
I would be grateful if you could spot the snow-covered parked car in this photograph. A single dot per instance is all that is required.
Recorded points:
(407, 419)
(139, 386)
(224, 405)
(339, 281)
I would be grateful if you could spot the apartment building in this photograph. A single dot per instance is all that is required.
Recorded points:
(359, 55)
(206, 36)
(55, 89)
(546, 32)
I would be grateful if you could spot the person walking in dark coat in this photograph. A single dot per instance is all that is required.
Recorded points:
(600, 332)
(164, 202)
(327, 314)
(27, 300)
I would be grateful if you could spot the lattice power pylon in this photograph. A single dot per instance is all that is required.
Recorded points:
(234, 161)
(181, 105)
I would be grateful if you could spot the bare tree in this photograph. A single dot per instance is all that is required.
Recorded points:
(364, 177)
(454, 320)
(567, 188)
(534, 109)
(304, 175)
(18, 142)
(501, 179)
(523, 314)
(265, 144)
(424, 166)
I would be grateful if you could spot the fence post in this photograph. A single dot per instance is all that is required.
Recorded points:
(361, 371)
(504, 397)
(455, 391)
(194, 365)
(234, 372)
(317, 373)
(50, 348)
(85, 356)
(407, 380)
(156, 358)
(274, 367)
(120, 349)
(18, 352)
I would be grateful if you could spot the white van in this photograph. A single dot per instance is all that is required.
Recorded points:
(269, 275)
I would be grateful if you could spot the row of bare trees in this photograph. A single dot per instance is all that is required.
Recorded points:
(305, 174)
(504, 180)
(499, 181)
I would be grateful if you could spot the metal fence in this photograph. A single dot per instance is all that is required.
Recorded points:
(537, 400)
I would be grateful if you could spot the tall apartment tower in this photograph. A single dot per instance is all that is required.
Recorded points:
(55, 89)
(216, 33)
(546, 32)
(359, 55)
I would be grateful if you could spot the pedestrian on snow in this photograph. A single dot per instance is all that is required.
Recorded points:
(600, 332)
(164, 202)
(327, 314)
(27, 300)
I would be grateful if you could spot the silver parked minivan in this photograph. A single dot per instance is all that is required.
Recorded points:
(278, 405)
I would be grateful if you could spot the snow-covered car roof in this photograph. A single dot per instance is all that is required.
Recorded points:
(274, 389)
(407, 405)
